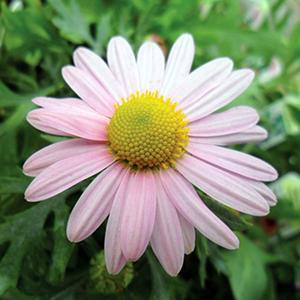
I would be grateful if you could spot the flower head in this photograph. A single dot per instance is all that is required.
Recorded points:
(151, 132)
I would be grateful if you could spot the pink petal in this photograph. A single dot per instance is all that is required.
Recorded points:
(179, 63)
(263, 190)
(114, 258)
(167, 240)
(88, 89)
(94, 204)
(93, 64)
(234, 120)
(138, 214)
(188, 203)
(252, 135)
(234, 161)
(34, 120)
(222, 186)
(70, 122)
(151, 65)
(69, 104)
(200, 81)
(231, 88)
(49, 155)
(189, 235)
(66, 173)
(122, 63)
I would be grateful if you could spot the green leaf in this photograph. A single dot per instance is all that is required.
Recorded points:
(71, 21)
(291, 115)
(8, 154)
(8, 98)
(13, 184)
(164, 287)
(62, 249)
(23, 106)
(29, 35)
(202, 253)
(105, 283)
(16, 118)
(287, 188)
(246, 269)
(275, 125)
(24, 231)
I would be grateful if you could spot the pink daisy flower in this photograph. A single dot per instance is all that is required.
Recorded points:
(151, 132)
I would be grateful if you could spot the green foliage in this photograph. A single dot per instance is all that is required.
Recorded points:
(23, 238)
(103, 282)
(164, 286)
(247, 270)
(37, 38)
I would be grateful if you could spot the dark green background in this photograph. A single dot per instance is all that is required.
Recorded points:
(37, 38)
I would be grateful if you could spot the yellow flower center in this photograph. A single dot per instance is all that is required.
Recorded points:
(147, 131)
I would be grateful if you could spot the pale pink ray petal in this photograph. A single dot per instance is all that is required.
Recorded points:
(122, 63)
(255, 134)
(114, 258)
(49, 155)
(179, 63)
(259, 187)
(236, 83)
(66, 173)
(189, 234)
(33, 118)
(234, 161)
(192, 208)
(64, 104)
(151, 65)
(72, 106)
(94, 204)
(222, 186)
(167, 239)
(90, 62)
(233, 120)
(200, 81)
(69, 105)
(89, 90)
(87, 126)
(138, 214)
(263, 190)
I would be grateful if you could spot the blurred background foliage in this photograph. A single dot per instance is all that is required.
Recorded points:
(38, 37)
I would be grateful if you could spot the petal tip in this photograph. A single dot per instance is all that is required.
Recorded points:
(117, 39)
(65, 71)
(187, 36)
(250, 74)
(235, 244)
(28, 195)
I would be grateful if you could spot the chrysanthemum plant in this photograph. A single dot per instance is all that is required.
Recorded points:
(152, 132)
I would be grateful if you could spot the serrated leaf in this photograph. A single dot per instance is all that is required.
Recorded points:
(28, 34)
(23, 231)
(71, 22)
